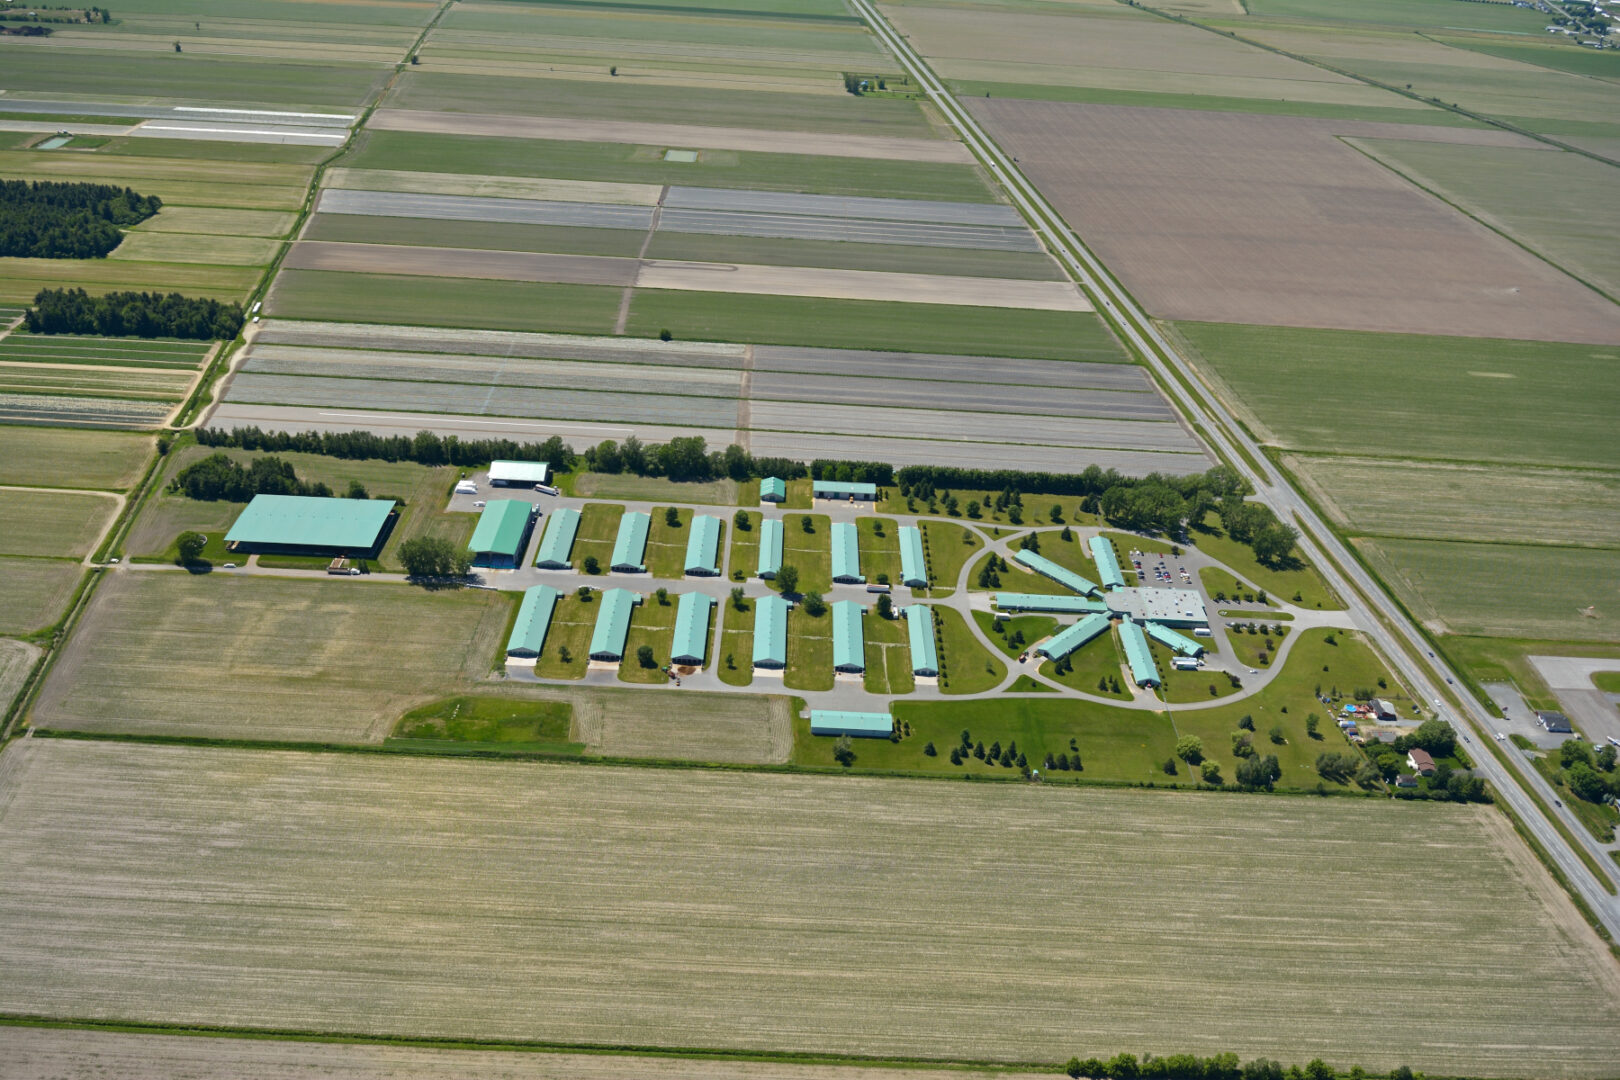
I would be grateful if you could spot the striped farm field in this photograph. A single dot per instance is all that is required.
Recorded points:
(170, 653)
(781, 913)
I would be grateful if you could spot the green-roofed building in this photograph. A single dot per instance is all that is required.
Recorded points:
(692, 629)
(703, 546)
(843, 490)
(558, 540)
(770, 632)
(1102, 553)
(1144, 672)
(846, 554)
(770, 547)
(773, 489)
(849, 639)
(920, 634)
(1181, 643)
(533, 621)
(1060, 574)
(1070, 638)
(1053, 605)
(502, 533)
(630, 545)
(860, 725)
(913, 563)
(303, 524)
(613, 625)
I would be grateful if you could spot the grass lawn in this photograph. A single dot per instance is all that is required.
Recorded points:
(71, 458)
(1112, 746)
(666, 543)
(598, 527)
(737, 642)
(34, 592)
(571, 624)
(808, 552)
(1223, 587)
(1189, 687)
(1005, 632)
(1299, 580)
(1607, 681)
(745, 546)
(653, 624)
(460, 302)
(589, 485)
(1094, 661)
(947, 548)
(1072, 554)
(880, 550)
(888, 656)
(966, 667)
(1251, 650)
(416, 151)
(810, 655)
(872, 324)
(509, 724)
(800, 494)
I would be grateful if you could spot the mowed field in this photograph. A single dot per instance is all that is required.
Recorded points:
(62, 457)
(163, 652)
(1263, 219)
(678, 908)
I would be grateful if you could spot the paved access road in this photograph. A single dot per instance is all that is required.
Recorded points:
(1400, 641)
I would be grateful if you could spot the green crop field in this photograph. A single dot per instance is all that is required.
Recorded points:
(1247, 882)
(389, 298)
(34, 592)
(254, 84)
(488, 235)
(269, 658)
(488, 722)
(52, 522)
(872, 324)
(1401, 13)
(1510, 590)
(1518, 402)
(882, 257)
(493, 156)
(62, 457)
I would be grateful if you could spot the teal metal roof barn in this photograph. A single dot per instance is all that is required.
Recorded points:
(613, 625)
(692, 629)
(913, 563)
(773, 489)
(1143, 670)
(558, 540)
(770, 547)
(849, 640)
(1181, 643)
(1057, 605)
(308, 523)
(502, 533)
(1060, 574)
(846, 554)
(920, 634)
(843, 489)
(770, 632)
(703, 547)
(1102, 553)
(630, 545)
(1070, 638)
(861, 725)
(533, 621)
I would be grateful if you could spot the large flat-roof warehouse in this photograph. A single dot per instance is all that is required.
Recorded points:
(321, 526)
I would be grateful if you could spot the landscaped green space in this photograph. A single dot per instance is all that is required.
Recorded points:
(595, 485)
(572, 621)
(808, 552)
(745, 545)
(737, 643)
(1015, 635)
(461, 302)
(948, 547)
(651, 624)
(1015, 579)
(598, 527)
(888, 655)
(966, 667)
(1296, 582)
(487, 722)
(810, 651)
(1189, 687)
(879, 550)
(1224, 588)
(493, 156)
(1095, 668)
(666, 543)
(1607, 681)
(872, 324)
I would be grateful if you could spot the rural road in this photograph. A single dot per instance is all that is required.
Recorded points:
(1398, 638)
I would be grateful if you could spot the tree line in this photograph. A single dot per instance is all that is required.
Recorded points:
(133, 314)
(220, 478)
(51, 219)
(1216, 1067)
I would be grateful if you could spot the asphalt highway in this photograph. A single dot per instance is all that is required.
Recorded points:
(1372, 613)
